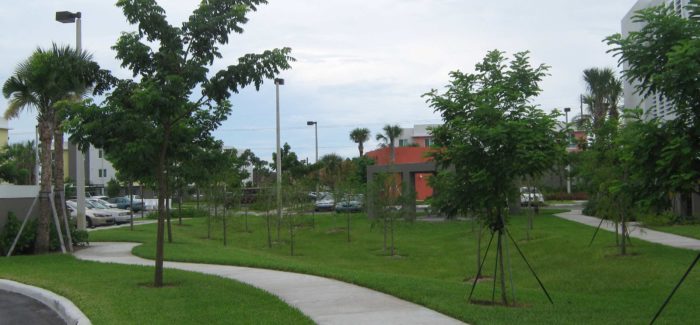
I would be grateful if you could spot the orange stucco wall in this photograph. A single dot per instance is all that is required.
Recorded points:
(407, 155)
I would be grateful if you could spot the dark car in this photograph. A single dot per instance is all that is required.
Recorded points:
(353, 203)
(123, 202)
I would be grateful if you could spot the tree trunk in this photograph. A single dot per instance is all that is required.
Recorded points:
(158, 282)
(478, 249)
(131, 207)
(291, 234)
(623, 248)
(384, 229)
(168, 199)
(269, 234)
(617, 238)
(41, 244)
(504, 298)
(361, 148)
(224, 216)
(179, 207)
(392, 235)
(58, 170)
(348, 227)
(59, 191)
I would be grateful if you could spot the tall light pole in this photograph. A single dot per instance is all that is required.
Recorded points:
(278, 82)
(315, 124)
(568, 141)
(68, 17)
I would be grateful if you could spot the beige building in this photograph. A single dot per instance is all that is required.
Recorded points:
(4, 128)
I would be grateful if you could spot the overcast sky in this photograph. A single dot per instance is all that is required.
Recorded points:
(360, 63)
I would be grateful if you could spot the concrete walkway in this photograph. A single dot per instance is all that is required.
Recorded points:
(635, 231)
(326, 301)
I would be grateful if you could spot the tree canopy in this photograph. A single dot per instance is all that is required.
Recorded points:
(492, 134)
(663, 58)
(174, 102)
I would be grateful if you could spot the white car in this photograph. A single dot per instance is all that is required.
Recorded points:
(120, 215)
(325, 202)
(102, 200)
(93, 217)
(530, 196)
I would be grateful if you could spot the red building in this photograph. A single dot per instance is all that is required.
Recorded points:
(407, 155)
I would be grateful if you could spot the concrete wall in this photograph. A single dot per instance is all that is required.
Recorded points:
(17, 199)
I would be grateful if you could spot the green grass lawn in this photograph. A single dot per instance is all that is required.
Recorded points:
(692, 231)
(589, 285)
(120, 294)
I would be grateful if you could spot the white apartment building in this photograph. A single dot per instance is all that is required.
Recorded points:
(419, 135)
(654, 106)
(98, 170)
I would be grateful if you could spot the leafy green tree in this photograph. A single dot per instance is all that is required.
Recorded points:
(603, 97)
(42, 82)
(391, 133)
(662, 58)
(113, 188)
(492, 137)
(17, 163)
(173, 100)
(291, 165)
(360, 136)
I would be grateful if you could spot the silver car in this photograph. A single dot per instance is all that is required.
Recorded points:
(119, 215)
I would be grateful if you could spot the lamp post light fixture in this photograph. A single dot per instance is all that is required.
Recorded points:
(315, 124)
(68, 17)
(278, 82)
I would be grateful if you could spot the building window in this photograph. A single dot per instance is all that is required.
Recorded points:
(102, 172)
(428, 142)
(99, 153)
(403, 142)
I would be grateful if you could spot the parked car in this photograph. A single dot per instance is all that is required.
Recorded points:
(103, 200)
(325, 202)
(119, 215)
(531, 196)
(93, 217)
(124, 202)
(350, 203)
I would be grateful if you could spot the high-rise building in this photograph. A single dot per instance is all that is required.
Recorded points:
(654, 106)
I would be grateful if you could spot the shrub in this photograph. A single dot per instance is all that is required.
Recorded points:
(563, 196)
(25, 244)
(657, 219)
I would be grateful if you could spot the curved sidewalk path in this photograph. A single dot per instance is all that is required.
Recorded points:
(326, 301)
(635, 231)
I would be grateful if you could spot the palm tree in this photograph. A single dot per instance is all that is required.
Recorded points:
(603, 97)
(391, 132)
(44, 80)
(360, 136)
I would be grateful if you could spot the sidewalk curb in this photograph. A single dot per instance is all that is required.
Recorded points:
(61, 305)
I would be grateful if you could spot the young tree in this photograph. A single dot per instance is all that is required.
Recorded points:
(662, 58)
(42, 82)
(492, 137)
(391, 133)
(173, 99)
(360, 136)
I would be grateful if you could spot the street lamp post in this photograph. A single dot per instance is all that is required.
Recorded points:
(68, 17)
(315, 124)
(568, 141)
(278, 82)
